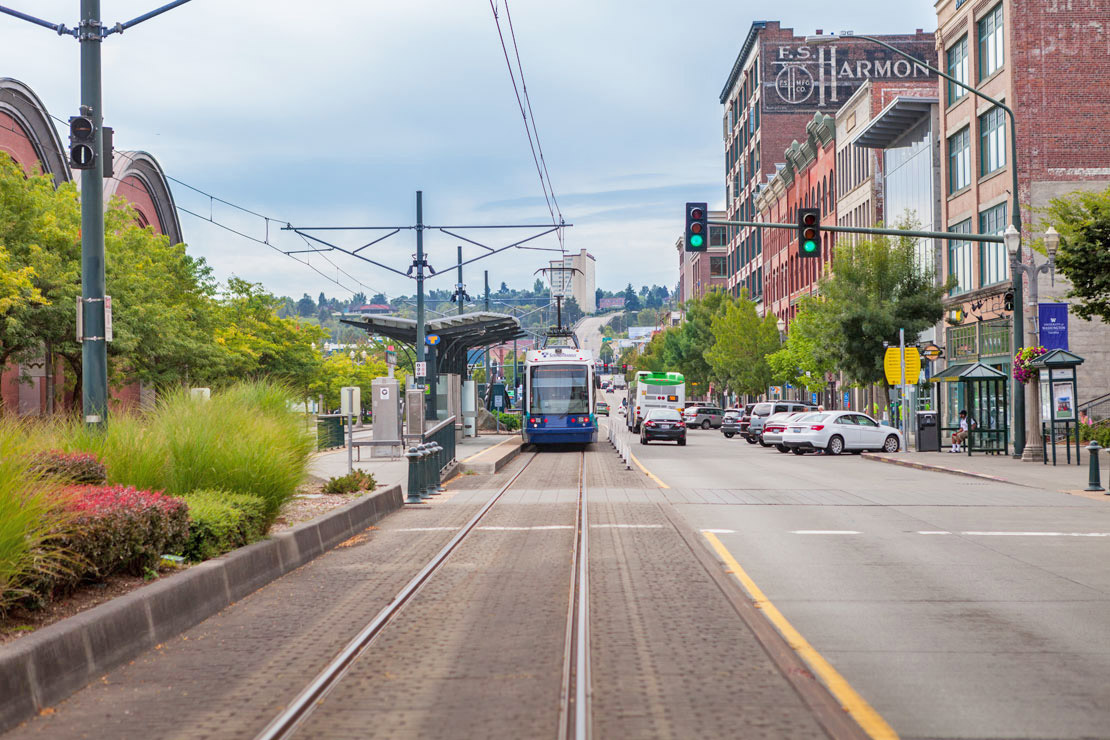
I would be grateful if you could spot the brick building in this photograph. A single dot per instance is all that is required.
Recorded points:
(776, 85)
(28, 136)
(806, 180)
(1049, 61)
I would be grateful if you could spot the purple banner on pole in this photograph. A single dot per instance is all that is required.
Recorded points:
(1053, 320)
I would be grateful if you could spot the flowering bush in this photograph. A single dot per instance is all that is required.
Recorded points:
(71, 467)
(1023, 369)
(120, 529)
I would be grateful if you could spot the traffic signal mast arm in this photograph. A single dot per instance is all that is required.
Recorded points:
(990, 238)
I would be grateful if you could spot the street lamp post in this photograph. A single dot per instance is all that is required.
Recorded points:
(1018, 391)
(1032, 451)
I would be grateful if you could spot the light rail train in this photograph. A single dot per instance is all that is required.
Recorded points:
(558, 404)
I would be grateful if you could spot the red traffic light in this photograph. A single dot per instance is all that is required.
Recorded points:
(809, 219)
(696, 214)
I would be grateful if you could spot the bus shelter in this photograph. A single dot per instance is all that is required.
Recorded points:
(1059, 391)
(982, 391)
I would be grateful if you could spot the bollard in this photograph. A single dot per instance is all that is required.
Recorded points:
(436, 486)
(425, 466)
(413, 457)
(1094, 479)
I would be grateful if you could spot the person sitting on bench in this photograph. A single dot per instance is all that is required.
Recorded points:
(960, 436)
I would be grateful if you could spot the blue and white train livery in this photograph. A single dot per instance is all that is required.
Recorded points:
(558, 405)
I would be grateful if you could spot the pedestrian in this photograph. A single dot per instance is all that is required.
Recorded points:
(960, 435)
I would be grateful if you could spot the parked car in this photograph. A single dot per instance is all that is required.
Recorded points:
(745, 418)
(704, 416)
(663, 424)
(601, 408)
(774, 427)
(762, 411)
(837, 431)
(730, 422)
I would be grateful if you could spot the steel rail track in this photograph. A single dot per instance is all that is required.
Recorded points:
(575, 692)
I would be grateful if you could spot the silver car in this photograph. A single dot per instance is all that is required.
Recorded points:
(762, 411)
(703, 416)
(774, 427)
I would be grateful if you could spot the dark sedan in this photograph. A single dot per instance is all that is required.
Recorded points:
(663, 424)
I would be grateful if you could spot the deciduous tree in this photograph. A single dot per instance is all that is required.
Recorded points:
(1083, 220)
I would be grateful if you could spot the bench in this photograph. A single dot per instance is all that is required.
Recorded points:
(391, 443)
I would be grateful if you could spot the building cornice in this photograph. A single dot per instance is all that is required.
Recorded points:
(745, 50)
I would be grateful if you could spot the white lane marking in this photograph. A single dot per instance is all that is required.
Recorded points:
(425, 529)
(720, 531)
(626, 526)
(525, 529)
(1038, 534)
(939, 531)
(824, 531)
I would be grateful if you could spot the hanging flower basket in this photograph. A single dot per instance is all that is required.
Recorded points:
(1023, 363)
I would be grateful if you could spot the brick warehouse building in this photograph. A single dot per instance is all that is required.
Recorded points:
(773, 90)
(28, 136)
(1049, 61)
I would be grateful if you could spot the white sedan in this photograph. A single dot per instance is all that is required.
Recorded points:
(837, 431)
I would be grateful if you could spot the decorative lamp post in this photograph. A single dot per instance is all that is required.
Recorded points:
(781, 324)
(1031, 391)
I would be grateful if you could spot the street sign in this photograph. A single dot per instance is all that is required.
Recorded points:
(931, 352)
(384, 392)
(421, 370)
(892, 365)
(431, 340)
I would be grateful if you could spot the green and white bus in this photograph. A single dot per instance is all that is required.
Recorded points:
(647, 391)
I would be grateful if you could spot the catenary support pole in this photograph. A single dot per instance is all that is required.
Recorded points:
(459, 287)
(489, 380)
(94, 348)
(905, 394)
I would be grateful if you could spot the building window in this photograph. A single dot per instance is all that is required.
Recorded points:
(959, 258)
(992, 141)
(990, 42)
(959, 160)
(718, 236)
(718, 267)
(994, 266)
(957, 68)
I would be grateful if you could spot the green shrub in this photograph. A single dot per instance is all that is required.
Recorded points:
(356, 480)
(1099, 432)
(509, 421)
(34, 520)
(220, 522)
(245, 439)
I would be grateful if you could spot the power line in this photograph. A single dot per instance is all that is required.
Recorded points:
(545, 182)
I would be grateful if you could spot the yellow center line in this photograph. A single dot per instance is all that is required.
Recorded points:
(491, 447)
(862, 712)
(647, 472)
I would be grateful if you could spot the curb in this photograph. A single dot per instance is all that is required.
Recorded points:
(493, 465)
(42, 669)
(942, 469)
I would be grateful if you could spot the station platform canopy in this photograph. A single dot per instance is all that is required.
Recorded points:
(455, 334)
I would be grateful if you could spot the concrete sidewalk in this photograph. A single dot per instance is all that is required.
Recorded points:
(386, 472)
(1061, 477)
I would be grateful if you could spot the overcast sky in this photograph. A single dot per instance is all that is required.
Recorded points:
(335, 112)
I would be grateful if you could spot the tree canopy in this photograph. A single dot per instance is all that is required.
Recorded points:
(1083, 220)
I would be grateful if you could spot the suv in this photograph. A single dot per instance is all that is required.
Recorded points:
(730, 424)
(745, 419)
(703, 416)
(761, 411)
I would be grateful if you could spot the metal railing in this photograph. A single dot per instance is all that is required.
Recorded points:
(429, 459)
(1097, 409)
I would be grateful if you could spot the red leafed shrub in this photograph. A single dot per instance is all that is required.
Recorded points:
(120, 529)
(71, 467)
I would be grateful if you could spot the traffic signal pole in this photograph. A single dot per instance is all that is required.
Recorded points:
(94, 346)
(989, 238)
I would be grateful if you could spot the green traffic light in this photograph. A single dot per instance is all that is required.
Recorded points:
(809, 246)
(696, 240)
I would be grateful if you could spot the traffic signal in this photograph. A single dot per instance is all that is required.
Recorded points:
(1008, 300)
(624, 368)
(697, 227)
(82, 147)
(809, 232)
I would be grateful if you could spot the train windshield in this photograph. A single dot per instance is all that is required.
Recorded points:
(559, 390)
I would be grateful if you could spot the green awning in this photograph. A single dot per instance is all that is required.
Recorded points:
(967, 371)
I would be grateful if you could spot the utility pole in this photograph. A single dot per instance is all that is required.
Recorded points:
(489, 380)
(94, 346)
(459, 288)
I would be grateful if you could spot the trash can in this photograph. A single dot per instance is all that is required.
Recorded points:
(928, 432)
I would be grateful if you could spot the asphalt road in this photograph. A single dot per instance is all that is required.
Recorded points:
(956, 607)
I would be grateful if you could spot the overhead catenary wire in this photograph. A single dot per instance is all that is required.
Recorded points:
(212, 220)
(529, 121)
